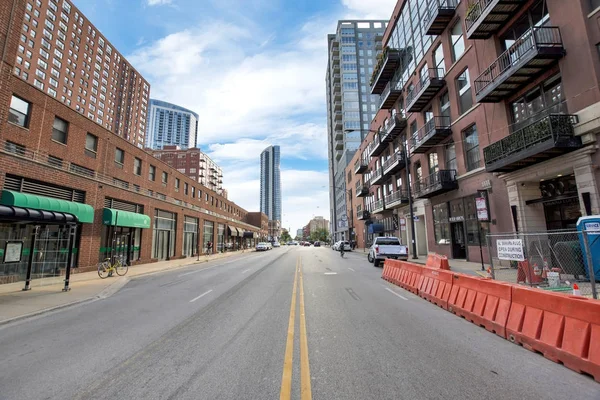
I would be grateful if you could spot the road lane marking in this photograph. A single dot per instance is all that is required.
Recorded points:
(305, 388)
(330, 273)
(201, 296)
(396, 294)
(246, 270)
(351, 269)
(286, 379)
(200, 270)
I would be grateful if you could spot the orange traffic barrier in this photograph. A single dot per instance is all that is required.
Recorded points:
(410, 275)
(483, 301)
(387, 270)
(435, 285)
(437, 261)
(391, 269)
(563, 328)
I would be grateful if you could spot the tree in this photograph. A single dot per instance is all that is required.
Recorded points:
(321, 235)
(285, 236)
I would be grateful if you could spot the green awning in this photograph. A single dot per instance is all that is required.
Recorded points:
(113, 217)
(83, 212)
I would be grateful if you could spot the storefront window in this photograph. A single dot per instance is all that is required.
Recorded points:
(440, 223)
(119, 241)
(473, 224)
(190, 236)
(220, 237)
(163, 238)
(207, 236)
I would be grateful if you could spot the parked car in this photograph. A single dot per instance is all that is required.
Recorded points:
(262, 246)
(276, 244)
(337, 246)
(317, 244)
(269, 245)
(387, 247)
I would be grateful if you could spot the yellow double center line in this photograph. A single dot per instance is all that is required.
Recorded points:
(286, 379)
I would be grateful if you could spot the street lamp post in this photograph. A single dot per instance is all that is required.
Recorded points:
(410, 199)
(351, 220)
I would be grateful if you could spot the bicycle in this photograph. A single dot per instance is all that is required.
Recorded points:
(342, 251)
(106, 268)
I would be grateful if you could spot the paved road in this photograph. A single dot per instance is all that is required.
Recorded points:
(222, 330)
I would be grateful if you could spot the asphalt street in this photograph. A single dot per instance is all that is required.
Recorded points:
(290, 323)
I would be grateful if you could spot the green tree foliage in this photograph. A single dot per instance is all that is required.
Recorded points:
(285, 236)
(321, 235)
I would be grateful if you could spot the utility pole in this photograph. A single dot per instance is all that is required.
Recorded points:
(410, 202)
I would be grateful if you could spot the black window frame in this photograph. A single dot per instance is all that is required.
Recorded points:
(14, 112)
(119, 156)
(56, 132)
(152, 173)
(137, 166)
(471, 148)
(94, 151)
(465, 99)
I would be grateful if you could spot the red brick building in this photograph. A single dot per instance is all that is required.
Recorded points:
(500, 101)
(73, 190)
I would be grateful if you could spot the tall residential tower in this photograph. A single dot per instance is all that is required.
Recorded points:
(170, 124)
(270, 183)
(350, 105)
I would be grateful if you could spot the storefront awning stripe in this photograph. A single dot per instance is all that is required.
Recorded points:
(232, 230)
(113, 217)
(29, 214)
(83, 212)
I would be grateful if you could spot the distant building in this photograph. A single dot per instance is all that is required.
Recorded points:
(299, 232)
(260, 220)
(270, 183)
(193, 163)
(318, 223)
(274, 229)
(170, 124)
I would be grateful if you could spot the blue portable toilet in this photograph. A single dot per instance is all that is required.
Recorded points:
(591, 224)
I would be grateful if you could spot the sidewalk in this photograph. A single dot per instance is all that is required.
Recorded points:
(47, 295)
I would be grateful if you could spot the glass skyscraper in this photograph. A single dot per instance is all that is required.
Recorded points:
(270, 183)
(350, 105)
(170, 124)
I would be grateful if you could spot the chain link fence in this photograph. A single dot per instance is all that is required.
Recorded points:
(552, 260)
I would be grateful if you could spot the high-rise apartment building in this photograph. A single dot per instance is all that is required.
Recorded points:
(194, 164)
(270, 183)
(62, 54)
(170, 124)
(350, 104)
(489, 113)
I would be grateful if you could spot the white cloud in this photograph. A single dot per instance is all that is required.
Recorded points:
(371, 9)
(158, 2)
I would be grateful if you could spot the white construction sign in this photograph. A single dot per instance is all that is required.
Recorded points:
(510, 249)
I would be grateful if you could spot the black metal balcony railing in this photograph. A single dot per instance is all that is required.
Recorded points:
(363, 215)
(392, 127)
(391, 94)
(362, 189)
(378, 206)
(395, 199)
(528, 57)
(376, 177)
(546, 138)
(432, 133)
(377, 146)
(394, 164)
(486, 17)
(425, 90)
(387, 63)
(435, 184)
(339, 135)
(360, 166)
(438, 15)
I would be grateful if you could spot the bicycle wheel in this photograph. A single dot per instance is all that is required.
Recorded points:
(121, 268)
(103, 269)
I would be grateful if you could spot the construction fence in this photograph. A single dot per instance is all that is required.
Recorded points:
(553, 260)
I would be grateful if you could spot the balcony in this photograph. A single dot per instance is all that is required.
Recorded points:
(338, 154)
(362, 215)
(339, 135)
(377, 177)
(335, 50)
(378, 206)
(377, 146)
(393, 127)
(391, 94)
(336, 78)
(425, 90)
(432, 133)
(337, 125)
(337, 116)
(486, 17)
(387, 64)
(438, 16)
(549, 137)
(394, 164)
(362, 189)
(435, 184)
(360, 166)
(533, 53)
(337, 92)
(337, 106)
(339, 145)
(397, 199)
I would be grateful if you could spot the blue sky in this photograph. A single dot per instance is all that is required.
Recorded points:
(254, 70)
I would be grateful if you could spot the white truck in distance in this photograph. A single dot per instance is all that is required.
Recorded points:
(387, 247)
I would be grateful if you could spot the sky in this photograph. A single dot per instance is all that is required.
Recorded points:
(254, 71)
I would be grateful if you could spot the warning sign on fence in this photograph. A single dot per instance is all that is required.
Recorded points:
(510, 249)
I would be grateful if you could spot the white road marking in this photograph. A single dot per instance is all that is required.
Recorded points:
(246, 270)
(394, 293)
(200, 270)
(199, 297)
(350, 269)
(330, 273)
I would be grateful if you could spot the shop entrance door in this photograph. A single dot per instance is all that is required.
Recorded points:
(163, 244)
(121, 243)
(459, 249)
